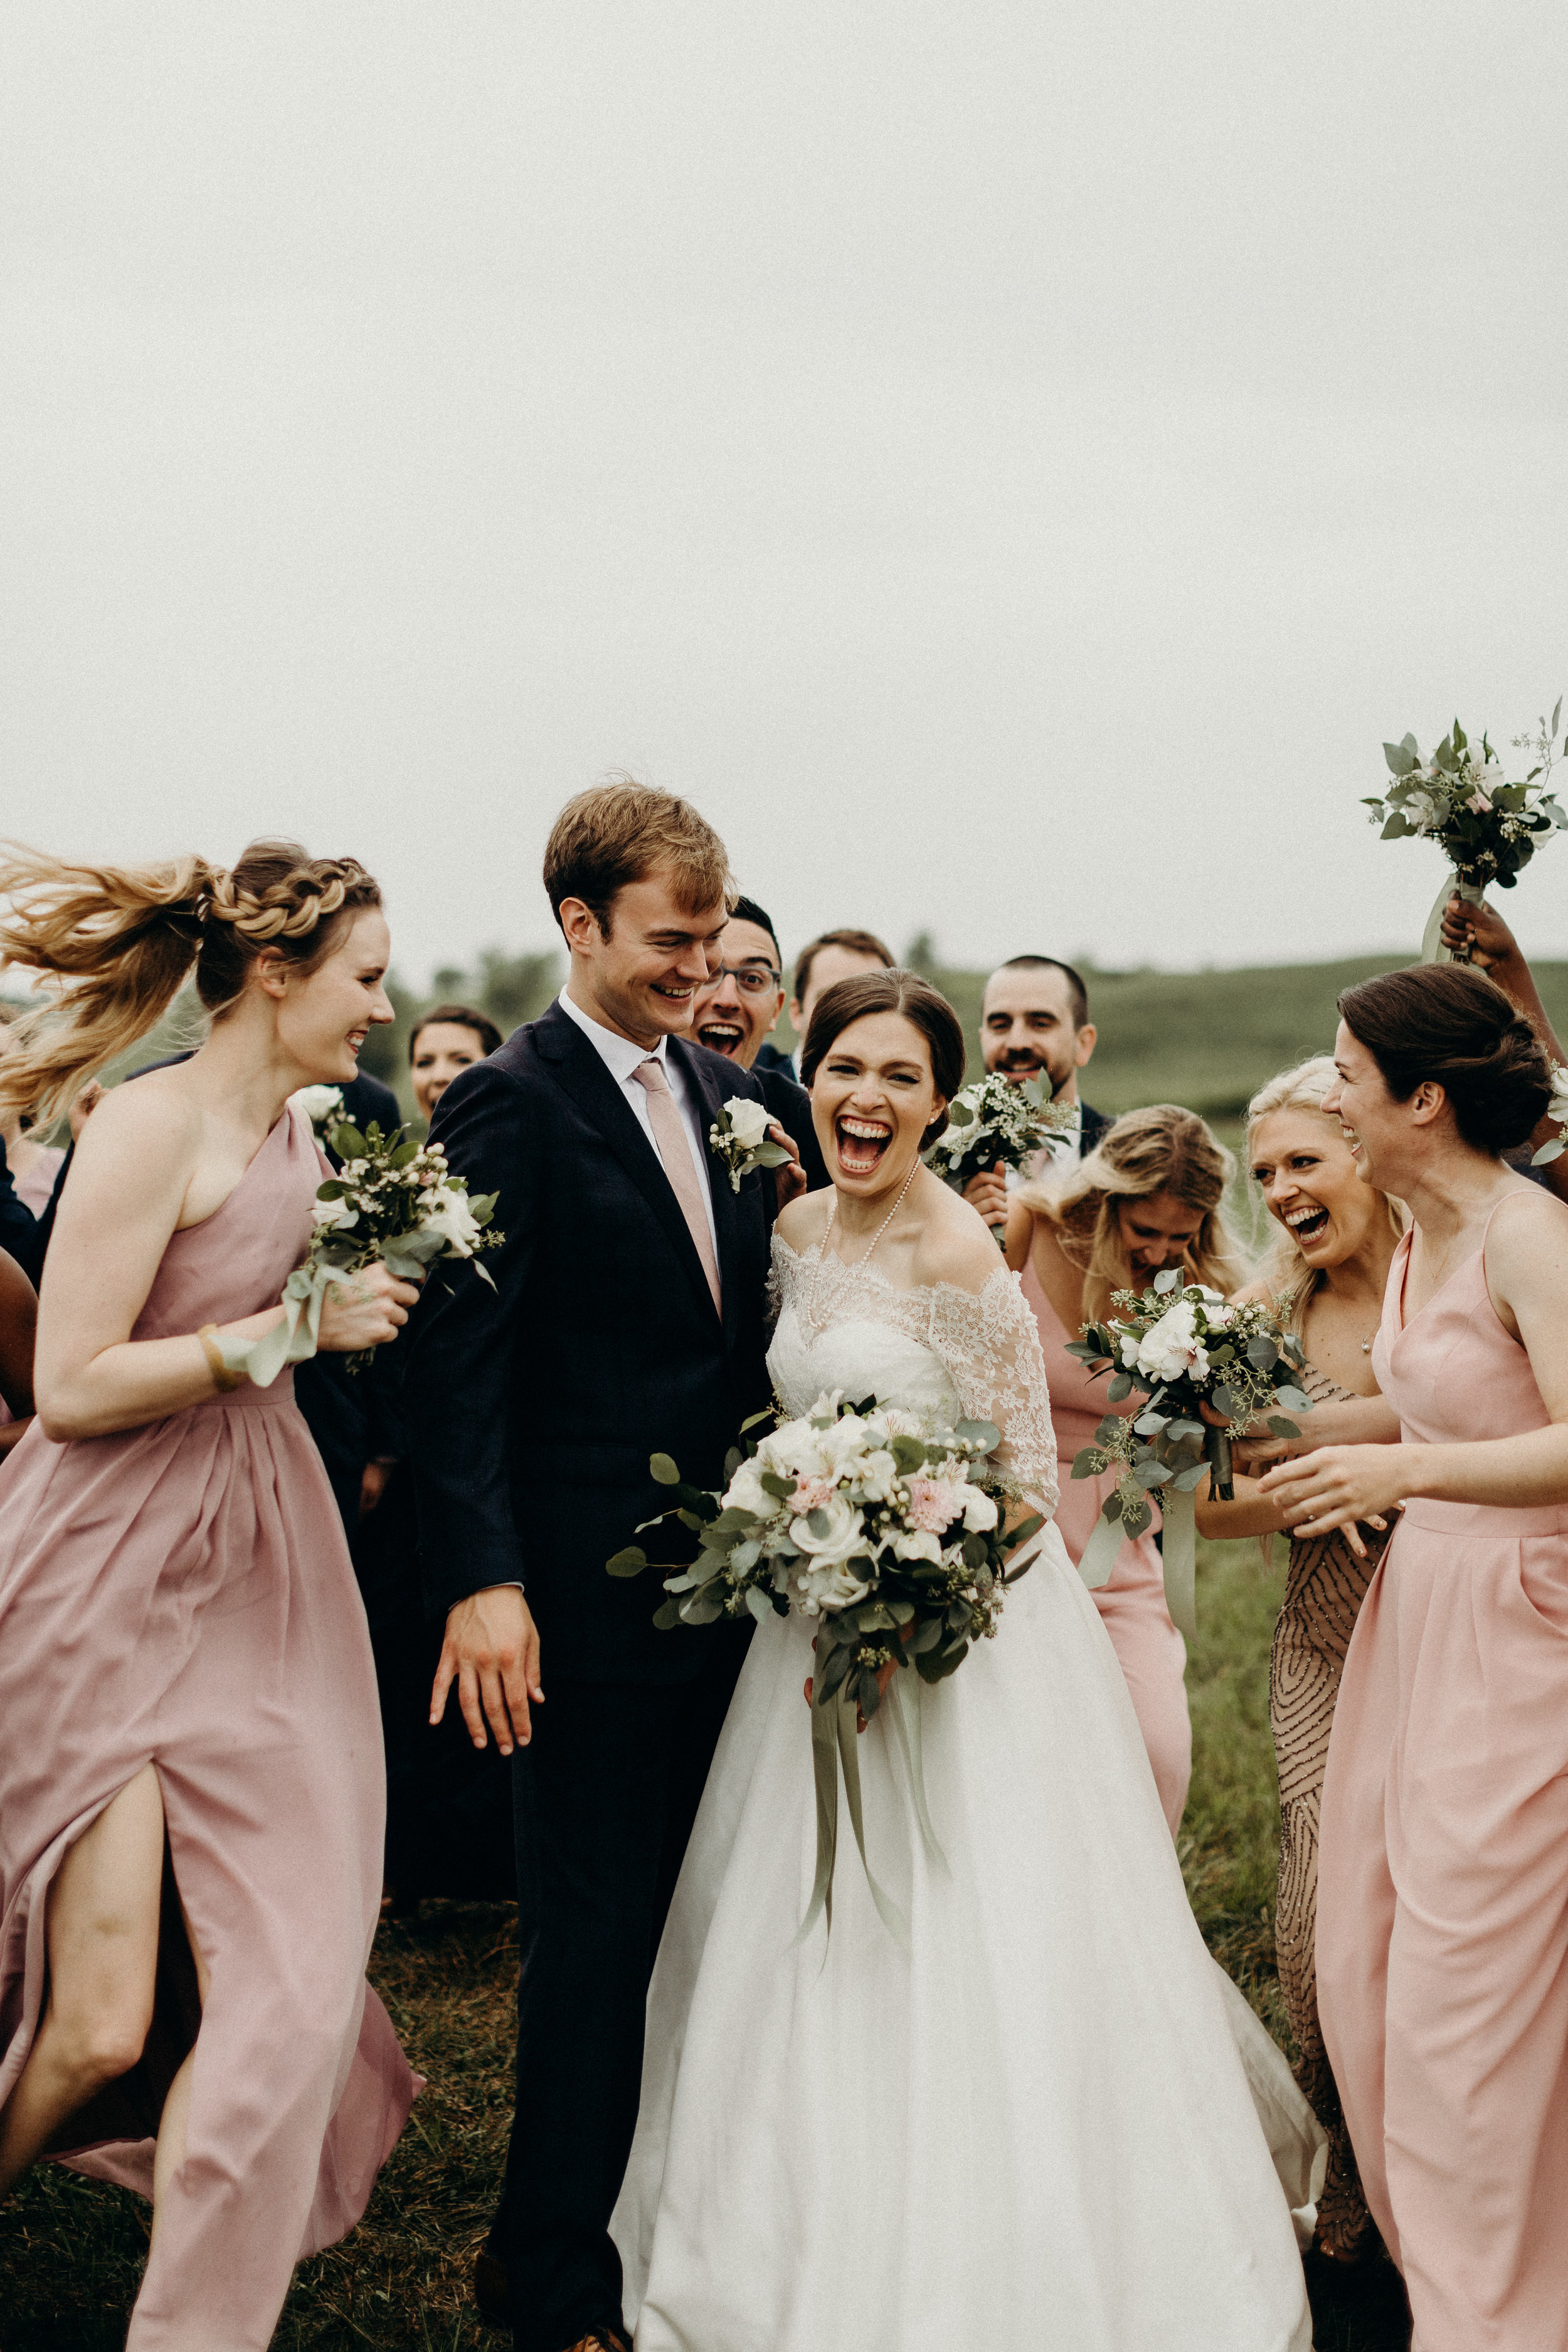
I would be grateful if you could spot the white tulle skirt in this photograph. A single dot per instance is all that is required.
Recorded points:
(1033, 2130)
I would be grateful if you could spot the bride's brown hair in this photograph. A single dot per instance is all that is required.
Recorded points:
(122, 940)
(1161, 1150)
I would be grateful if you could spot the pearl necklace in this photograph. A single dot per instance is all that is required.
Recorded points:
(859, 1263)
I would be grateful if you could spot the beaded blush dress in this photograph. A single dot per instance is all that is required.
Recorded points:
(1033, 2127)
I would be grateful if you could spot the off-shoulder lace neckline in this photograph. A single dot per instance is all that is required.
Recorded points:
(1003, 1273)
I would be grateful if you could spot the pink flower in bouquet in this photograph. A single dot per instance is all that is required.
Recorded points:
(933, 1504)
(811, 1495)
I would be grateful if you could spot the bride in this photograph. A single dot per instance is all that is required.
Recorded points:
(1033, 2129)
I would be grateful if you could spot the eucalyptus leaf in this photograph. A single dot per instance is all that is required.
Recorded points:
(703, 1608)
(1151, 1474)
(1135, 1520)
(1185, 1481)
(1122, 1386)
(1166, 1280)
(1262, 1352)
(1293, 1399)
(667, 1616)
(1280, 1427)
(760, 1607)
(662, 1469)
(1089, 1463)
(982, 1433)
(629, 1562)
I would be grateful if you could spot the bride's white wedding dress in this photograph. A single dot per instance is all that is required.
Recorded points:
(1032, 2131)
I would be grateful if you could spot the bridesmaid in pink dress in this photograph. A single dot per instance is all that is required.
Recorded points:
(191, 1792)
(1148, 1197)
(1443, 1869)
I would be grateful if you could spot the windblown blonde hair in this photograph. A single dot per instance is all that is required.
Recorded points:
(120, 941)
(1161, 1150)
(1282, 1268)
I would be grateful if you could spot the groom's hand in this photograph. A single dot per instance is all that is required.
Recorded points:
(492, 1653)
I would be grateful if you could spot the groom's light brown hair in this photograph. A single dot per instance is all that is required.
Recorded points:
(618, 833)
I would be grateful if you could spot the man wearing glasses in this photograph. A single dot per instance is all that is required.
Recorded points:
(734, 1013)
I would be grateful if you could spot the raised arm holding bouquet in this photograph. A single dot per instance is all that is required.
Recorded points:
(995, 1122)
(1460, 797)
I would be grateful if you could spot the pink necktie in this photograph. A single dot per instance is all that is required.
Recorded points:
(675, 1154)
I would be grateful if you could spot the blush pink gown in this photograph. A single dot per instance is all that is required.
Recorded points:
(181, 1593)
(1443, 1864)
(1132, 1603)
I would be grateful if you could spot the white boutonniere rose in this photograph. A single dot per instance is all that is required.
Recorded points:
(739, 1140)
(321, 1103)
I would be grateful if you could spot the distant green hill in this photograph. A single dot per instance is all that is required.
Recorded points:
(1208, 1039)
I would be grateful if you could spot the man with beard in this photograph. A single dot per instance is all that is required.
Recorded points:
(736, 1010)
(1034, 1022)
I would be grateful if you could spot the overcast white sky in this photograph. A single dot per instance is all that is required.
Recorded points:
(1011, 463)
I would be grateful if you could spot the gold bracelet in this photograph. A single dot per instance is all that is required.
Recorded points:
(223, 1377)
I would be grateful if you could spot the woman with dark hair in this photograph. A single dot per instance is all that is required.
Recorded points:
(1032, 2125)
(1442, 1936)
(444, 1041)
(191, 1792)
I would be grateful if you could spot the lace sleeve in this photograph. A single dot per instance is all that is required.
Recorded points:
(991, 1346)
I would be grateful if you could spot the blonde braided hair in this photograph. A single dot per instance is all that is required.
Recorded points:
(120, 941)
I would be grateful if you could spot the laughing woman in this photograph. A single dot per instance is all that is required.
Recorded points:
(191, 1790)
(1328, 1263)
(1443, 1884)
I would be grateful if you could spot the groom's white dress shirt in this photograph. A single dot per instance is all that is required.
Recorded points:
(621, 1057)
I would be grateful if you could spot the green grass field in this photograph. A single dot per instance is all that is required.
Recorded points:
(71, 2251)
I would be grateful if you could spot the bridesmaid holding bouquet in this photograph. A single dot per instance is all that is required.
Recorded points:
(1443, 1874)
(191, 1788)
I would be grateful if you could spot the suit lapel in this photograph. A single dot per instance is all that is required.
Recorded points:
(585, 1079)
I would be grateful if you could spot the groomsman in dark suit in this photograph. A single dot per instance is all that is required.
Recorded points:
(628, 1319)
(735, 1013)
(1034, 1023)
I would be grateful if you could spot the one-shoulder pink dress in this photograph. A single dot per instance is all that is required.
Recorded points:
(181, 1593)
(1443, 1864)
(1131, 1602)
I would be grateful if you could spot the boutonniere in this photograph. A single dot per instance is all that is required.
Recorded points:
(322, 1105)
(739, 1140)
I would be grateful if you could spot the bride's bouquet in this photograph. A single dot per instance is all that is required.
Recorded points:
(1185, 1346)
(1460, 798)
(995, 1119)
(882, 1529)
(1557, 1112)
(392, 1200)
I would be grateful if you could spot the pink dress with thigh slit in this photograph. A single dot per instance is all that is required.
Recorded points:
(1132, 1603)
(1443, 1863)
(182, 1595)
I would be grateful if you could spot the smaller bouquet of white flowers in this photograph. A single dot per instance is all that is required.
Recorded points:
(1185, 1346)
(392, 1199)
(884, 1531)
(995, 1119)
(1557, 1111)
(739, 1140)
(1460, 798)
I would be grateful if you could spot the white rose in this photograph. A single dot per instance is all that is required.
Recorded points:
(844, 1445)
(841, 1536)
(979, 1511)
(448, 1214)
(749, 1121)
(1170, 1346)
(318, 1102)
(746, 1491)
(836, 1586)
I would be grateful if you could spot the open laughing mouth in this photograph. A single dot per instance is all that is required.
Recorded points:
(721, 1036)
(1310, 1223)
(861, 1143)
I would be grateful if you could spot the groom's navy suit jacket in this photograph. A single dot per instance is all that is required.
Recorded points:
(533, 1409)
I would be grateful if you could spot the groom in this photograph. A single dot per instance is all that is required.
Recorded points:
(626, 1319)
